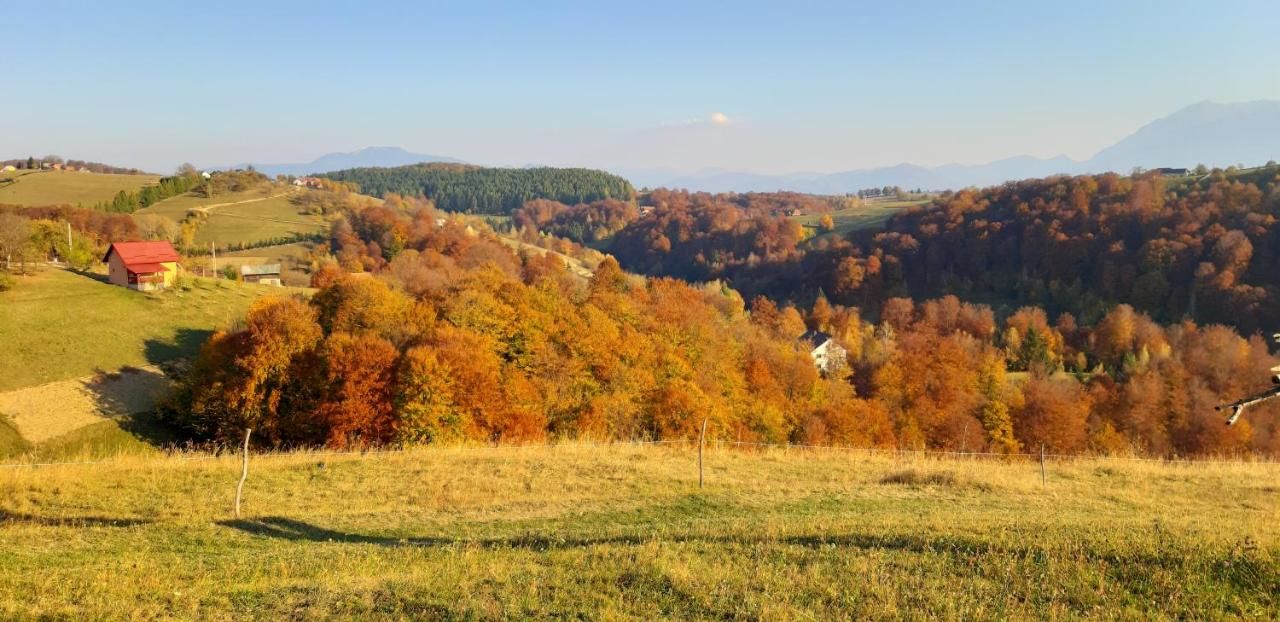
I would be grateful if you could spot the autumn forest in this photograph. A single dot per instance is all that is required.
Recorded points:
(1102, 314)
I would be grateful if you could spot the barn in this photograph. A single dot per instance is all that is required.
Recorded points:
(266, 274)
(144, 266)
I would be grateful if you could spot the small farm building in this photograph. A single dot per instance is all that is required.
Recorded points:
(144, 266)
(266, 274)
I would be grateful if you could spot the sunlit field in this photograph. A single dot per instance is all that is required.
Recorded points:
(873, 213)
(624, 532)
(240, 218)
(65, 187)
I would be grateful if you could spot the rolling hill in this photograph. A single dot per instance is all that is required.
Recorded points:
(80, 355)
(59, 324)
(65, 187)
(487, 190)
(243, 218)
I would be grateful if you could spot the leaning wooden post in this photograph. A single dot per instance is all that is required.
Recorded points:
(1042, 476)
(244, 470)
(702, 440)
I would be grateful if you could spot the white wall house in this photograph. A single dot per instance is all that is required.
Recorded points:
(828, 356)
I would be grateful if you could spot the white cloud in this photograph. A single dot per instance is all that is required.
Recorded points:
(719, 118)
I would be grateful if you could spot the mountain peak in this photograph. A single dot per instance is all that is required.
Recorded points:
(1206, 132)
(379, 150)
(377, 156)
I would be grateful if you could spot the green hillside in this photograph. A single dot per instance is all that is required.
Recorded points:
(59, 324)
(72, 188)
(240, 218)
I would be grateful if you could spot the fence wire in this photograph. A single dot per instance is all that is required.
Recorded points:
(710, 443)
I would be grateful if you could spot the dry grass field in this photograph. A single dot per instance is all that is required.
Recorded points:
(624, 532)
(72, 188)
(48, 411)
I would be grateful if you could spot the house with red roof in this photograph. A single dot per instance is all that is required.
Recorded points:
(144, 266)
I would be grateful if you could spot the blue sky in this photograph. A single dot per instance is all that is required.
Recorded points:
(801, 86)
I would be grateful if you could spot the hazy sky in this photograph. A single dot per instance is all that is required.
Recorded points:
(767, 87)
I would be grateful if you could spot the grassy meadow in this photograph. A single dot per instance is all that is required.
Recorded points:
(243, 217)
(256, 222)
(178, 206)
(58, 324)
(72, 188)
(624, 532)
(872, 213)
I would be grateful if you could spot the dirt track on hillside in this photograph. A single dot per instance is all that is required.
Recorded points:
(207, 208)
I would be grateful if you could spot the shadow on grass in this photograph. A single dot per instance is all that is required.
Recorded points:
(296, 530)
(186, 342)
(126, 391)
(14, 518)
(124, 435)
(149, 429)
(11, 443)
(99, 277)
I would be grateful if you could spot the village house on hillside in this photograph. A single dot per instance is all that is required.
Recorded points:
(828, 356)
(266, 274)
(144, 266)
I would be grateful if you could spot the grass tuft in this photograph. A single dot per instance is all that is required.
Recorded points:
(912, 477)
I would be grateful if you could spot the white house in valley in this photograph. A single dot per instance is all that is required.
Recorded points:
(828, 356)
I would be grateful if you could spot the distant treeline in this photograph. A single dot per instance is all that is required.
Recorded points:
(129, 202)
(478, 190)
(1205, 249)
(33, 163)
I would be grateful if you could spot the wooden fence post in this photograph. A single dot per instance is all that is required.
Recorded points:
(244, 470)
(1042, 475)
(702, 441)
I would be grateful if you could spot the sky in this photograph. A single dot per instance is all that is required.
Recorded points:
(772, 87)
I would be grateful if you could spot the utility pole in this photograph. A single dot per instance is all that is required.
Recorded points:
(213, 250)
(68, 239)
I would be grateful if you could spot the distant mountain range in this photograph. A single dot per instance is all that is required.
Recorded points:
(1204, 133)
(370, 156)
